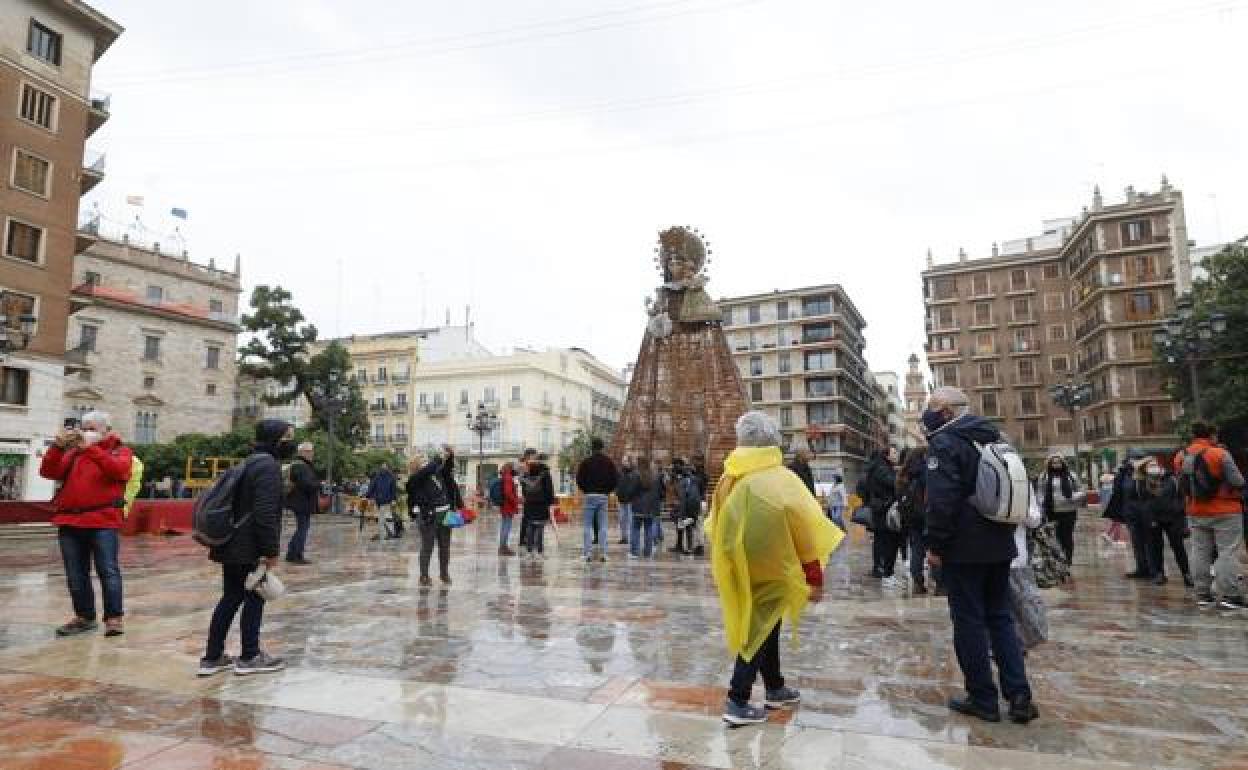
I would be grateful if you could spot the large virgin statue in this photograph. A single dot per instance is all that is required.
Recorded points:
(686, 394)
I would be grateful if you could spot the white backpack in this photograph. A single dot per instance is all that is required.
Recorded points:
(1002, 490)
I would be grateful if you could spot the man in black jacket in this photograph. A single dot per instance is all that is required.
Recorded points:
(303, 499)
(597, 478)
(254, 543)
(974, 555)
(801, 466)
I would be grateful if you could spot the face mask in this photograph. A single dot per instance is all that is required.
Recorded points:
(933, 420)
(90, 437)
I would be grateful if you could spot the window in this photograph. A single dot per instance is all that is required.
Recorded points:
(817, 305)
(727, 316)
(400, 399)
(944, 342)
(151, 347)
(1022, 340)
(948, 375)
(212, 357)
(91, 278)
(463, 397)
(216, 306)
(24, 241)
(1026, 369)
(14, 386)
(39, 107)
(1053, 270)
(1054, 301)
(1057, 332)
(210, 389)
(382, 374)
(1031, 433)
(785, 363)
(149, 382)
(1018, 279)
(155, 294)
(515, 394)
(786, 390)
(987, 373)
(782, 310)
(754, 314)
(1136, 231)
(989, 406)
(1147, 381)
(820, 414)
(13, 306)
(983, 313)
(44, 43)
(1148, 420)
(491, 394)
(1064, 426)
(944, 288)
(1027, 402)
(816, 332)
(821, 387)
(820, 360)
(985, 344)
(439, 399)
(361, 375)
(31, 173)
(944, 318)
(980, 285)
(756, 392)
(1060, 364)
(756, 366)
(786, 417)
(145, 428)
(87, 335)
(1021, 309)
(1141, 304)
(1142, 342)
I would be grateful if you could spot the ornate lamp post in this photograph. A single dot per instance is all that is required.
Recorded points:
(330, 401)
(1186, 343)
(483, 423)
(12, 340)
(1073, 396)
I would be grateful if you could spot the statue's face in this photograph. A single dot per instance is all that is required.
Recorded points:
(679, 269)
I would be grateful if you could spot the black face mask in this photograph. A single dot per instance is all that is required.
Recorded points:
(285, 449)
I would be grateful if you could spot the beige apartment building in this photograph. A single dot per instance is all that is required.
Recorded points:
(800, 354)
(1078, 302)
(47, 112)
(152, 341)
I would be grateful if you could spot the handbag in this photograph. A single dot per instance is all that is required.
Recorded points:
(1027, 607)
(892, 519)
(862, 515)
(453, 519)
(1045, 556)
(265, 583)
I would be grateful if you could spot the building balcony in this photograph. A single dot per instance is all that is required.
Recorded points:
(93, 166)
(1025, 381)
(1028, 411)
(377, 442)
(1089, 326)
(1090, 361)
(399, 439)
(382, 379)
(1099, 395)
(982, 384)
(76, 359)
(438, 410)
(401, 379)
(398, 408)
(942, 355)
(940, 298)
(376, 408)
(982, 353)
(98, 111)
(1025, 348)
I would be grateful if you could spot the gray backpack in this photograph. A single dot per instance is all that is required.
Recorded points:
(1002, 489)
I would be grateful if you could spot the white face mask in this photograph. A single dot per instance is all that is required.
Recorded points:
(90, 437)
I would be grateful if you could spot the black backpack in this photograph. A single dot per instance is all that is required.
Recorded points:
(1196, 480)
(532, 485)
(212, 520)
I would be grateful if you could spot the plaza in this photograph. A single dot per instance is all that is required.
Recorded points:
(615, 666)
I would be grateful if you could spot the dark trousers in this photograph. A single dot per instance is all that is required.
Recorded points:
(1138, 530)
(434, 532)
(766, 661)
(80, 547)
(303, 522)
(1066, 533)
(1172, 531)
(535, 539)
(233, 595)
(918, 554)
(983, 629)
(884, 547)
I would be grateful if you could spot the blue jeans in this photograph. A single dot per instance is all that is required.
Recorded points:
(294, 549)
(504, 531)
(642, 541)
(233, 595)
(79, 548)
(983, 629)
(626, 520)
(595, 519)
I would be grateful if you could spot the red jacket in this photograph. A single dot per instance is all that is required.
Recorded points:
(511, 501)
(93, 481)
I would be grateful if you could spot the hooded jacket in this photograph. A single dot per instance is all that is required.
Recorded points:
(956, 531)
(260, 492)
(93, 483)
(768, 540)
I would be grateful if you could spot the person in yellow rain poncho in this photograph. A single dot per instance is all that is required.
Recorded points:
(768, 540)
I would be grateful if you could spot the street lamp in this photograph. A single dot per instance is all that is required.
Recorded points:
(15, 339)
(1073, 396)
(1187, 344)
(330, 401)
(482, 423)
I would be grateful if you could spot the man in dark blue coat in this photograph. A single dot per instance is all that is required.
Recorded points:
(974, 556)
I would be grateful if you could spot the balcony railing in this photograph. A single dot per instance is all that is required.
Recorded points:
(401, 379)
(1091, 361)
(399, 439)
(93, 167)
(438, 409)
(1029, 410)
(1090, 325)
(99, 112)
(1025, 346)
(399, 407)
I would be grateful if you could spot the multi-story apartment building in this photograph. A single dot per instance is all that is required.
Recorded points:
(800, 356)
(47, 112)
(1078, 302)
(152, 341)
(892, 420)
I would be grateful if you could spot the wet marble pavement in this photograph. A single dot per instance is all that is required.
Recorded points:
(616, 666)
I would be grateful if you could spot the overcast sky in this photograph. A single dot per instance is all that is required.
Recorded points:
(387, 161)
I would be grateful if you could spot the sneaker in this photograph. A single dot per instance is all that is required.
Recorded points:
(1232, 603)
(262, 663)
(114, 627)
(602, 557)
(737, 714)
(972, 709)
(1022, 710)
(446, 580)
(208, 667)
(920, 588)
(77, 626)
(622, 541)
(778, 699)
(1205, 601)
(589, 559)
(1137, 575)
(298, 561)
(425, 580)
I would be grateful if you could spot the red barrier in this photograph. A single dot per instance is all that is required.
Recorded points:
(147, 517)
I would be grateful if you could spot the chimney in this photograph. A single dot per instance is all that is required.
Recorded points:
(1130, 194)
(1165, 186)
(1030, 245)
(1097, 202)
(996, 250)
(930, 262)
(961, 255)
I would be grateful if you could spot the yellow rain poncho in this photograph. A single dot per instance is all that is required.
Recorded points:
(764, 525)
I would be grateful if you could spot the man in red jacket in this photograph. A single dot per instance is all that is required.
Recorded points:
(93, 467)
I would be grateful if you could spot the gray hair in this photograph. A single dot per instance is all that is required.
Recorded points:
(954, 399)
(96, 417)
(757, 429)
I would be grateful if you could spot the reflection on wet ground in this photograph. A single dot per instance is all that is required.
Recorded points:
(616, 666)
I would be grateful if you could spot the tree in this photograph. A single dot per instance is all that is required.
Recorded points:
(571, 456)
(1223, 373)
(279, 350)
(161, 460)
